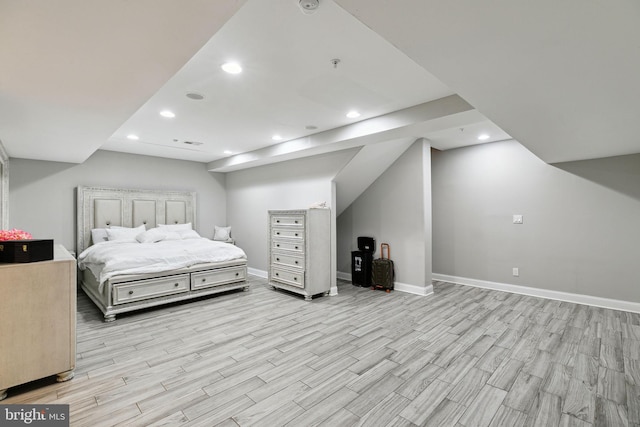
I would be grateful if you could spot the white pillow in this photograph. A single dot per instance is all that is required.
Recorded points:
(151, 236)
(124, 234)
(172, 235)
(221, 233)
(189, 234)
(176, 227)
(99, 235)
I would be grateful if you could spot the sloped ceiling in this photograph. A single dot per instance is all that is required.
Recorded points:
(364, 168)
(561, 77)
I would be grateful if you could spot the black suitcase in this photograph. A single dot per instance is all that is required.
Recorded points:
(383, 274)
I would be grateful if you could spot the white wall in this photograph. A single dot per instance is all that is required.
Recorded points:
(42, 194)
(395, 209)
(293, 184)
(580, 233)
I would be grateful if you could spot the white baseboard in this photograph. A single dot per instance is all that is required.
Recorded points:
(397, 286)
(413, 289)
(543, 293)
(344, 276)
(260, 273)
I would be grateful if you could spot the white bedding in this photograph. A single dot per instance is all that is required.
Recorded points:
(107, 259)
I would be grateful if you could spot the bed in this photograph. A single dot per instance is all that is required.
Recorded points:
(166, 261)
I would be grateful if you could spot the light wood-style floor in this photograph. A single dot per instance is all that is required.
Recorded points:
(461, 357)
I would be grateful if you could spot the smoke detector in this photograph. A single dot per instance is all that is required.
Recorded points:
(309, 6)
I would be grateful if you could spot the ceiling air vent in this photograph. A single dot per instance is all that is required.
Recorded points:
(193, 142)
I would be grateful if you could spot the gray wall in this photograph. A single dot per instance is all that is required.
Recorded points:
(42, 194)
(395, 209)
(293, 184)
(580, 231)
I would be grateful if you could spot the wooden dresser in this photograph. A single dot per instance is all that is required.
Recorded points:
(300, 251)
(37, 320)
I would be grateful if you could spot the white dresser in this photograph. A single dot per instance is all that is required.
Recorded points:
(300, 251)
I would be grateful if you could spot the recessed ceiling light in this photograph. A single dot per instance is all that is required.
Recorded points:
(228, 152)
(353, 114)
(483, 137)
(168, 114)
(309, 6)
(133, 137)
(232, 67)
(196, 96)
(311, 127)
(276, 138)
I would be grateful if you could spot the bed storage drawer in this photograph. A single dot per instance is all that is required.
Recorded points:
(150, 288)
(220, 276)
(289, 277)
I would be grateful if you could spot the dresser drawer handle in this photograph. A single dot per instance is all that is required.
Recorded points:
(277, 259)
(296, 247)
(237, 274)
(296, 262)
(278, 221)
(130, 292)
(296, 221)
(278, 245)
(176, 284)
(277, 274)
(296, 234)
(295, 278)
(278, 233)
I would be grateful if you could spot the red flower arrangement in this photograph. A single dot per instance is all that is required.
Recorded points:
(15, 234)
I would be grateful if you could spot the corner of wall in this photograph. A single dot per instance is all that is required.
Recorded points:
(4, 188)
(427, 212)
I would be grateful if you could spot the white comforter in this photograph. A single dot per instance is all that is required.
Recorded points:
(108, 259)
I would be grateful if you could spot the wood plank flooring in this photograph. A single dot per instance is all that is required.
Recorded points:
(461, 357)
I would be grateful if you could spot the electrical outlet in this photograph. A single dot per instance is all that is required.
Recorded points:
(517, 219)
(516, 271)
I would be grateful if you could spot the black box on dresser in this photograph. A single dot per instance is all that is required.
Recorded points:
(26, 250)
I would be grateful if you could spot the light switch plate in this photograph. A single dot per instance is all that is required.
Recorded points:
(517, 219)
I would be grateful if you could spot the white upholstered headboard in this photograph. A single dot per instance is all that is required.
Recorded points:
(99, 207)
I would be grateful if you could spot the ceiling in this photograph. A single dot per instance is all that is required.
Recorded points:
(78, 76)
(72, 71)
(561, 77)
(288, 82)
